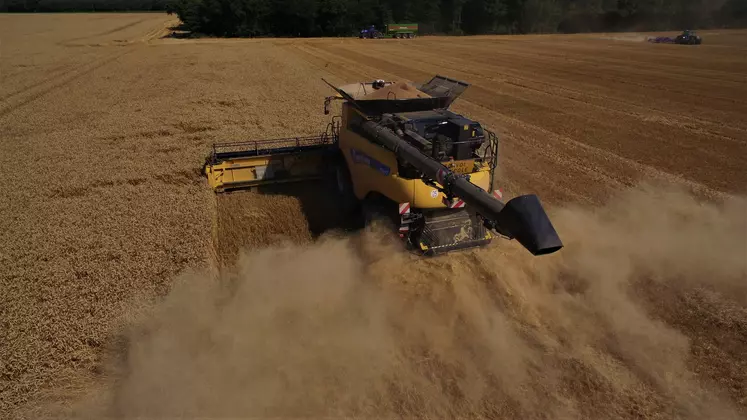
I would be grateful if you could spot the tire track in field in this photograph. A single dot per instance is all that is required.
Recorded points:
(51, 76)
(328, 63)
(61, 71)
(71, 41)
(55, 86)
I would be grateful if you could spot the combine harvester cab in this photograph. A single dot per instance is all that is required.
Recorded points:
(398, 153)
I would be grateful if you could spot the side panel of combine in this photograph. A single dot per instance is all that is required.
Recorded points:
(372, 168)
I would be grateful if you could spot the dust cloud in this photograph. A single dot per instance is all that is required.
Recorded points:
(610, 327)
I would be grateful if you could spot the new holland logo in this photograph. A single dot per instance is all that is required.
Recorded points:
(363, 159)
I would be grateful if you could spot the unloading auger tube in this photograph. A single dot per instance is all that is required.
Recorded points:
(522, 218)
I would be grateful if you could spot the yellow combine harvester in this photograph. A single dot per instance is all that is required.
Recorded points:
(398, 153)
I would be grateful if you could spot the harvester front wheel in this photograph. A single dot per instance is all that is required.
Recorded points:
(376, 208)
(348, 201)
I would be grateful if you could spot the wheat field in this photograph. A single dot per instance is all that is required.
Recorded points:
(127, 288)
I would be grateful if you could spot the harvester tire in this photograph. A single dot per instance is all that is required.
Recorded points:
(344, 184)
(377, 209)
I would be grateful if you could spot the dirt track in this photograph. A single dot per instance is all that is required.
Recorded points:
(104, 126)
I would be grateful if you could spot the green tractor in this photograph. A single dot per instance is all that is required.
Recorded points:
(688, 37)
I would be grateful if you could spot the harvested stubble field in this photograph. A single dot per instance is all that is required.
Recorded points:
(111, 304)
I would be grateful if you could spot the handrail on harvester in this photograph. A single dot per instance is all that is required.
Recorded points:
(267, 147)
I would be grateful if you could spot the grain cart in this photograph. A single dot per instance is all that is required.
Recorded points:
(401, 30)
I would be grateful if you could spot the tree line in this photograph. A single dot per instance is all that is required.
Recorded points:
(303, 18)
